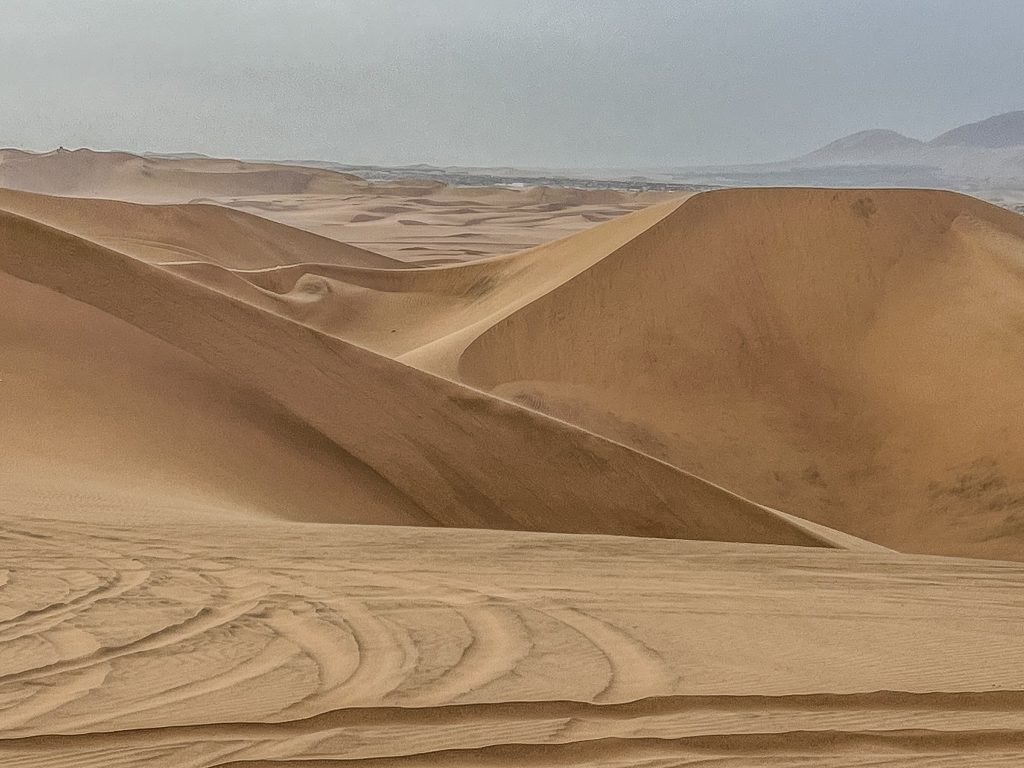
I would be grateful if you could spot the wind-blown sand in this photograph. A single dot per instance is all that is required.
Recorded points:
(275, 500)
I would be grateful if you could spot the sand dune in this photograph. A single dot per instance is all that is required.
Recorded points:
(203, 409)
(851, 355)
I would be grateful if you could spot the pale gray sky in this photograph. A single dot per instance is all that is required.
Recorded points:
(588, 83)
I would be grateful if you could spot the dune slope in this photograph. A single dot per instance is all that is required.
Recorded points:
(97, 414)
(850, 356)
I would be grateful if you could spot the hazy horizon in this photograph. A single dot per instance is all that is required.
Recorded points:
(555, 84)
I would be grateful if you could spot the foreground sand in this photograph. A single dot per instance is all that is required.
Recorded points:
(270, 645)
(243, 461)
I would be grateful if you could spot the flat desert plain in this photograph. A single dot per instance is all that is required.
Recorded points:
(304, 471)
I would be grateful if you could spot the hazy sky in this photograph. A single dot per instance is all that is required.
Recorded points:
(589, 83)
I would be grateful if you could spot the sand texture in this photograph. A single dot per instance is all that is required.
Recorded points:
(732, 479)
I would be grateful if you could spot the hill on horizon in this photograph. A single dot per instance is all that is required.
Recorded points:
(984, 159)
(966, 149)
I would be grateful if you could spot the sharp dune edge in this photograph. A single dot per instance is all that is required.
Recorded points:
(192, 393)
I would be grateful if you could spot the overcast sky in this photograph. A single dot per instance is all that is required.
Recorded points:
(558, 83)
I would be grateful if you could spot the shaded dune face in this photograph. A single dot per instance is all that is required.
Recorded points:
(853, 356)
(98, 414)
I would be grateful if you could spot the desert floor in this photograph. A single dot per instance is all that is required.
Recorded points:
(613, 479)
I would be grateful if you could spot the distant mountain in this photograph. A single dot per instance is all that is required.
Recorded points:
(982, 146)
(988, 153)
(871, 146)
(985, 158)
(994, 133)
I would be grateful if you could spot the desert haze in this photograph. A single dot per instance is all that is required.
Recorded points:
(303, 470)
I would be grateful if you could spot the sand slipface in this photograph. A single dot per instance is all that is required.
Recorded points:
(643, 495)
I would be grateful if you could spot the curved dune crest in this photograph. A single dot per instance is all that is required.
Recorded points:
(427, 316)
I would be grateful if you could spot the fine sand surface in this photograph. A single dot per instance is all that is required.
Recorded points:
(678, 489)
(294, 645)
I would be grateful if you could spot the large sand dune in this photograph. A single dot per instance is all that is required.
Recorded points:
(775, 383)
(854, 356)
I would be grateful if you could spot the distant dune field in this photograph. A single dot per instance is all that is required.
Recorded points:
(730, 479)
(415, 221)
